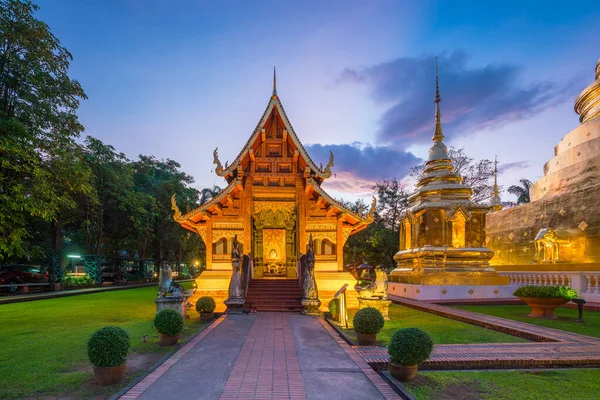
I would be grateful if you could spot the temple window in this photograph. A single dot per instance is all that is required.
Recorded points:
(327, 247)
(458, 230)
(220, 246)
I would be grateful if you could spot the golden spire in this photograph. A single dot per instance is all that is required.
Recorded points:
(274, 82)
(438, 135)
(496, 204)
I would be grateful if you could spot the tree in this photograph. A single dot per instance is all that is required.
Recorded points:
(478, 175)
(378, 243)
(38, 125)
(207, 194)
(522, 191)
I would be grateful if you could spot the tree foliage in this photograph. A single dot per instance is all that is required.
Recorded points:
(40, 169)
(521, 191)
(55, 192)
(378, 243)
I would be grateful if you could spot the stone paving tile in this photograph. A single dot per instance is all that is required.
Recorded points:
(555, 347)
(136, 391)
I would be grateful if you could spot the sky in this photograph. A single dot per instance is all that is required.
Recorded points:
(177, 79)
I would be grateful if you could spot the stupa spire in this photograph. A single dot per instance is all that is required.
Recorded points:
(438, 135)
(274, 82)
(495, 203)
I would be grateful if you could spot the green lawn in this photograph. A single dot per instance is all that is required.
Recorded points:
(566, 318)
(506, 385)
(442, 330)
(44, 342)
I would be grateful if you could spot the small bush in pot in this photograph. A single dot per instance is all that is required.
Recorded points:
(169, 324)
(407, 349)
(334, 309)
(206, 308)
(367, 324)
(107, 351)
(543, 300)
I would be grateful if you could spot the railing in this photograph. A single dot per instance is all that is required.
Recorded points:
(586, 283)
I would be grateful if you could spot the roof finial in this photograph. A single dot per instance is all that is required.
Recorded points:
(438, 136)
(496, 204)
(274, 82)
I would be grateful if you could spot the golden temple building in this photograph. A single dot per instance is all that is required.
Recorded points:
(442, 234)
(563, 214)
(274, 203)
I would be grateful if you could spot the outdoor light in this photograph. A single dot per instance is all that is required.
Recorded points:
(580, 303)
(73, 256)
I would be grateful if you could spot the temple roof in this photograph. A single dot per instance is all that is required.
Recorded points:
(274, 105)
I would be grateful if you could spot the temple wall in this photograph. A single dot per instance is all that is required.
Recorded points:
(575, 215)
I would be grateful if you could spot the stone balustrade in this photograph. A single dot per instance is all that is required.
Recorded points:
(586, 283)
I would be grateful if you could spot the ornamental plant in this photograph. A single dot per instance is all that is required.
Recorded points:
(334, 309)
(546, 292)
(205, 304)
(108, 347)
(168, 322)
(410, 346)
(368, 320)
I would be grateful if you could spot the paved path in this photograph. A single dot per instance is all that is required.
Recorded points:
(552, 347)
(264, 356)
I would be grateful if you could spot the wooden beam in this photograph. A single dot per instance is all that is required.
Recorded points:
(320, 202)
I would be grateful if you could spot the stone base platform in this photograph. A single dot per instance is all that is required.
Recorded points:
(450, 292)
(215, 283)
(328, 284)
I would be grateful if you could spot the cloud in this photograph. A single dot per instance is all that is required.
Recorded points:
(513, 166)
(359, 165)
(473, 98)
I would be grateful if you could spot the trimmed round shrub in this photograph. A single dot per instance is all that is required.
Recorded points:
(108, 347)
(546, 292)
(368, 320)
(334, 309)
(410, 346)
(168, 322)
(205, 304)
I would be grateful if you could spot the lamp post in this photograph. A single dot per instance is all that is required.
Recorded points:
(580, 303)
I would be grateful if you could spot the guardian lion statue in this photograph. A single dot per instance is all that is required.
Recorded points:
(167, 287)
(376, 289)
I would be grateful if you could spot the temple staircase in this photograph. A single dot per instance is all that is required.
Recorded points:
(275, 295)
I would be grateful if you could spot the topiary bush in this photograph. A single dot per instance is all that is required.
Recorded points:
(334, 309)
(205, 304)
(410, 346)
(168, 322)
(546, 292)
(108, 347)
(368, 320)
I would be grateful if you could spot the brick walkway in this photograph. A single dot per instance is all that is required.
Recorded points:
(553, 348)
(264, 356)
(267, 367)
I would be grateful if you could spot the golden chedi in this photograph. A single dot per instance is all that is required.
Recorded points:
(442, 232)
(563, 203)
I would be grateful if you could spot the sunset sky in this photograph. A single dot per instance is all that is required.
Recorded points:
(177, 79)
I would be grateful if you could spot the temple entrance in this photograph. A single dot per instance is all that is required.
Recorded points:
(274, 242)
(274, 254)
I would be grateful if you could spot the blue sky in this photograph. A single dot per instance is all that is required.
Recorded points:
(177, 79)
